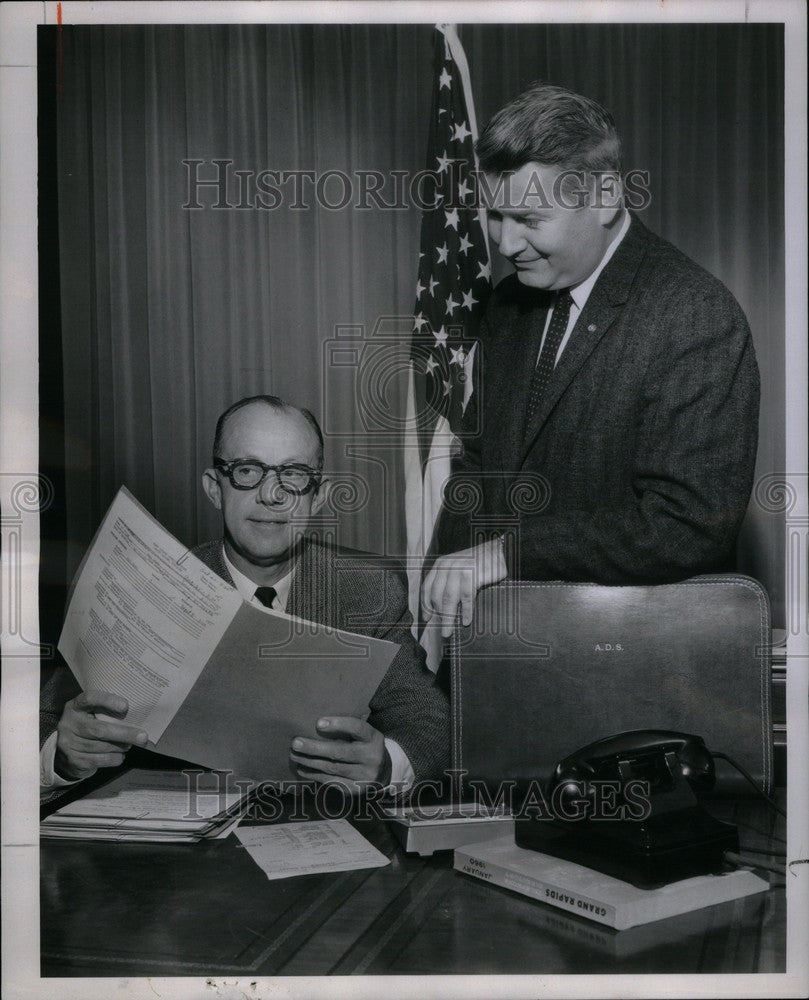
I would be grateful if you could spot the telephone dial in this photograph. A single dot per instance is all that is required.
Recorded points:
(627, 805)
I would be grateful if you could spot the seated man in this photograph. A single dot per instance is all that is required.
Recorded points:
(266, 480)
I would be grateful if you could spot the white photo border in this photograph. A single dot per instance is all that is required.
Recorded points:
(19, 458)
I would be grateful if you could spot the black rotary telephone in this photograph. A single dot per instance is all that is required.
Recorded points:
(626, 805)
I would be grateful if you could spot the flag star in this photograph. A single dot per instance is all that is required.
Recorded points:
(419, 289)
(466, 243)
(440, 337)
(484, 272)
(431, 365)
(452, 305)
(447, 386)
(461, 131)
(442, 253)
(433, 283)
(419, 321)
(445, 80)
(464, 190)
(452, 219)
(468, 301)
(443, 162)
(458, 357)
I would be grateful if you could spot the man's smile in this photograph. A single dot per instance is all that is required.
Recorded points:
(524, 261)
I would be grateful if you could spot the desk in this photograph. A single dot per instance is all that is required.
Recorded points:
(206, 909)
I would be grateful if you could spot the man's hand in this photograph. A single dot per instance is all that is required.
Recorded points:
(351, 754)
(455, 579)
(85, 743)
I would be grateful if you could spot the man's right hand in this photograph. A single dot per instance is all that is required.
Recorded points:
(85, 743)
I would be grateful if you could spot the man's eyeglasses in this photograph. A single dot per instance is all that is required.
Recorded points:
(248, 474)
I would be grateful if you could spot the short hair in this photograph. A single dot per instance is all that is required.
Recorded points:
(550, 125)
(275, 403)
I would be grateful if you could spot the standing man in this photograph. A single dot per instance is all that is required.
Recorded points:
(266, 479)
(612, 366)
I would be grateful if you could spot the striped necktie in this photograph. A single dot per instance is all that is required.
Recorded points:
(547, 356)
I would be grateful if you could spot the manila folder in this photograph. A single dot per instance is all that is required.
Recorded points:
(271, 677)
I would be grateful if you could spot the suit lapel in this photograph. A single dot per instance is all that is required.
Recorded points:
(215, 560)
(602, 308)
(311, 595)
(594, 321)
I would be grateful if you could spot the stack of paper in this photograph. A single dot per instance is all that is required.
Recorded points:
(154, 806)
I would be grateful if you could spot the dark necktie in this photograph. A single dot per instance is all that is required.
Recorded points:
(547, 356)
(266, 595)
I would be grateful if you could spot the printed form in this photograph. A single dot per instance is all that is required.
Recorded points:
(144, 617)
(286, 849)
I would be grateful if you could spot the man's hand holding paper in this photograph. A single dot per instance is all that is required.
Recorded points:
(351, 753)
(85, 742)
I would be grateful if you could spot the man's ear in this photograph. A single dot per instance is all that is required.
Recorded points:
(212, 487)
(320, 497)
(610, 195)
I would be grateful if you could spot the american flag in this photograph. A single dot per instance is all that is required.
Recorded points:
(454, 282)
(454, 275)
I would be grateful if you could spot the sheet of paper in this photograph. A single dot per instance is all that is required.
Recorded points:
(286, 849)
(144, 615)
(270, 679)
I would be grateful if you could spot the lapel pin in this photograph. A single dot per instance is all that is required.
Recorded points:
(591, 328)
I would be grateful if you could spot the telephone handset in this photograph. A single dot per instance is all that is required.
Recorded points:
(670, 837)
(658, 756)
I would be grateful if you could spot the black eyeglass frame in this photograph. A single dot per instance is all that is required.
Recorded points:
(315, 475)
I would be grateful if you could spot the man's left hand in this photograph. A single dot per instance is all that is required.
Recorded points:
(351, 753)
(455, 579)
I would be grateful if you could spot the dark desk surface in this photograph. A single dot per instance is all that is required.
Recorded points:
(204, 909)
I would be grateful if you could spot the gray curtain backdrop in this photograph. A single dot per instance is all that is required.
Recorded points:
(169, 313)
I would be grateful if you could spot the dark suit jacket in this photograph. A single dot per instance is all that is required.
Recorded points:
(639, 462)
(359, 593)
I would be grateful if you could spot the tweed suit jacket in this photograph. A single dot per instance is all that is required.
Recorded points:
(638, 464)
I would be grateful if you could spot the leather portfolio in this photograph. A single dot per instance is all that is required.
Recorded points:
(547, 667)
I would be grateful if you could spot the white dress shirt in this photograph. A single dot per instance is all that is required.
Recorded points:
(580, 293)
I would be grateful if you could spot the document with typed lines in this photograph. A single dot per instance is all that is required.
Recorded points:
(286, 849)
(144, 615)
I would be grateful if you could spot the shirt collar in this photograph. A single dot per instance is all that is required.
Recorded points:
(247, 588)
(581, 292)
